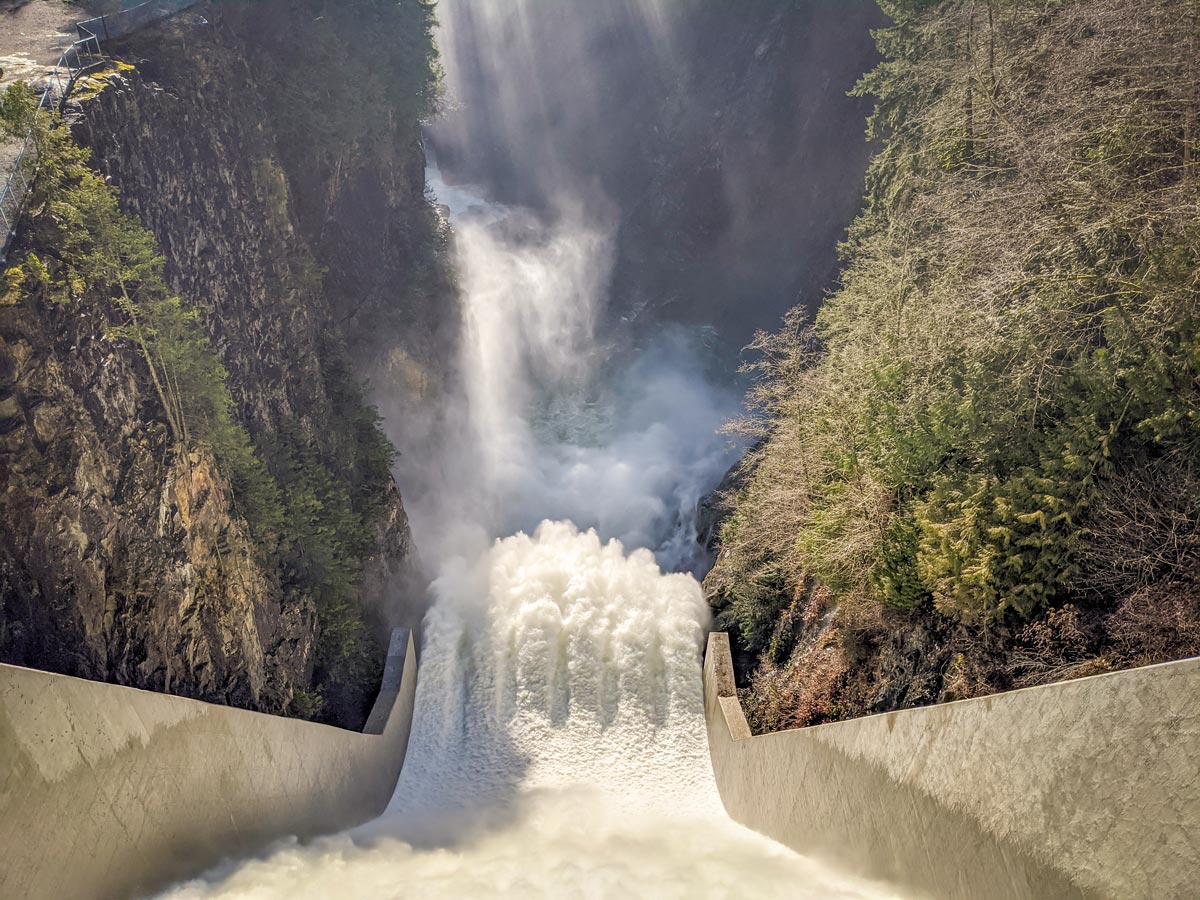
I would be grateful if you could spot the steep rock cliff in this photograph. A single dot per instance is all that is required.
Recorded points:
(118, 560)
(125, 559)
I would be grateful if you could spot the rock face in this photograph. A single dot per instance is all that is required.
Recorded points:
(717, 138)
(120, 558)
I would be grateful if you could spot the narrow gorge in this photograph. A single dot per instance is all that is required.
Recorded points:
(552, 341)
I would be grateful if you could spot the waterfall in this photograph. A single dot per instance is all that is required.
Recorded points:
(565, 414)
(559, 745)
(558, 750)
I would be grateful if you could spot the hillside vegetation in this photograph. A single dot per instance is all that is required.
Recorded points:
(978, 467)
(185, 444)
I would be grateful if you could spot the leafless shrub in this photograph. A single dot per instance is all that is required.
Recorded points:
(1145, 529)
(1157, 623)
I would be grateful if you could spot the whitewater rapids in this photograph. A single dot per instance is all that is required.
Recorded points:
(559, 746)
(554, 662)
(558, 750)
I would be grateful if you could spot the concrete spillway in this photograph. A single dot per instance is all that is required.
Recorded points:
(1084, 789)
(562, 747)
(108, 792)
(558, 750)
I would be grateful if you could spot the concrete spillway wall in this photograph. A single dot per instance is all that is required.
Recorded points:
(1083, 789)
(108, 792)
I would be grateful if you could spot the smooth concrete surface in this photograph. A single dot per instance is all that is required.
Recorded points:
(1083, 789)
(108, 792)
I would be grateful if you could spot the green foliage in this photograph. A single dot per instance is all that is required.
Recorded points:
(753, 606)
(896, 578)
(96, 252)
(307, 704)
(1017, 329)
(331, 506)
(994, 545)
(359, 77)
(17, 105)
(313, 506)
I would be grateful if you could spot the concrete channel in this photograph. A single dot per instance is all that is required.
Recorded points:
(1082, 789)
(109, 792)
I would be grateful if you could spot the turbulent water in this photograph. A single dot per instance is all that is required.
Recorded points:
(564, 416)
(558, 750)
(559, 746)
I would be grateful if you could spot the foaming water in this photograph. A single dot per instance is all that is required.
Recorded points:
(563, 417)
(559, 750)
(563, 845)
(558, 661)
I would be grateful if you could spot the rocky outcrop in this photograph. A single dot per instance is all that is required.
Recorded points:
(123, 559)
(119, 559)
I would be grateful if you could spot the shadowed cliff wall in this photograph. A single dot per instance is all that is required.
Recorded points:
(288, 201)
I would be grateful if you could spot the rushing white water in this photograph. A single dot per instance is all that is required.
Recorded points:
(558, 751)
(557, 661)
(558, 422)
(560, 847)
(559, 746)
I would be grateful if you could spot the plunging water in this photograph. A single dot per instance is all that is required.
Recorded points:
(559, 746)
(558, 750)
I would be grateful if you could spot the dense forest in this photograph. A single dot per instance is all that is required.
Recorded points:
(977, 467)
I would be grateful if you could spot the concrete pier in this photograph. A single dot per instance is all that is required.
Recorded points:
(1082, 789)
(108, 792)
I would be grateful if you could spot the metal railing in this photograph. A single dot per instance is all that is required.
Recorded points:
(127, 21)
(81, 55)
(77, 58)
